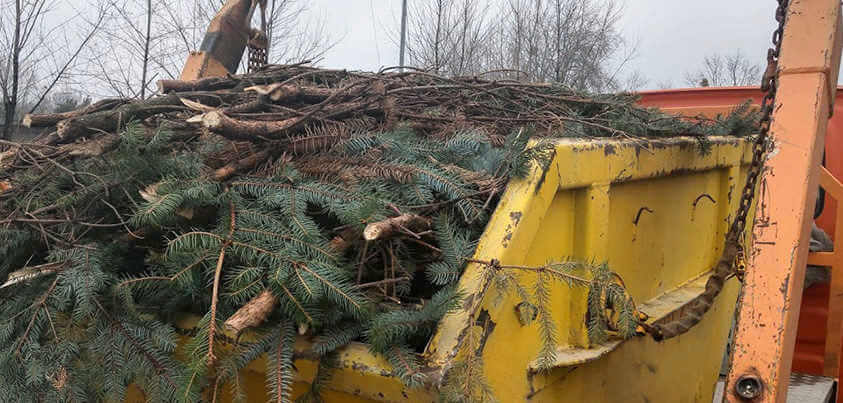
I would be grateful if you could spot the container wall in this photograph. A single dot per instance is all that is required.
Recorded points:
(657, 216)
(810, 340)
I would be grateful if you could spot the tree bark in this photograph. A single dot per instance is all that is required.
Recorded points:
(232, 168)
(245, 129)
(9, 120)
(272, 74)
(253, 313)
(278, 92)
(111, 120)
(202, 84)
(146, 48)
(11, 101)
(51, 119)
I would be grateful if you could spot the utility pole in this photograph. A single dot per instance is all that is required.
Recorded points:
(403, 34)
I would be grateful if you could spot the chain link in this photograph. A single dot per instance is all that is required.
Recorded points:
(769, 85)
(732, 250)
(257, 58)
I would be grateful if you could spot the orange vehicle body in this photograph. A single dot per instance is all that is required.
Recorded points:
(809, 356)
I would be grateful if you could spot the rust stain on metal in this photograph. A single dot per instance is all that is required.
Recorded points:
(485, 321)
(544, 169)
(620, 178)
(468, 303)
(507, 237)
(515, 216)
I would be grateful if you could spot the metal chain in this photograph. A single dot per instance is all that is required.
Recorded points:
(732, 249)
(258, 42)
(257, 58)
(769, 85)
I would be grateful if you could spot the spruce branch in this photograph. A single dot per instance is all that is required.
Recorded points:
(606, 292)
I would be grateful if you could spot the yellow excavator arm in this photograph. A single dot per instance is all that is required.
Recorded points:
(227, 37)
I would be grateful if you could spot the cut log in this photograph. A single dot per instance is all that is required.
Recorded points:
(51, 119)
(253, 106)
(393, 226)
(272, 74)
(111, 120)
(279, 93)
(253, 313)
(29, 273)
(202, 84)
(243, 164)
(92, 148)
(235, 129)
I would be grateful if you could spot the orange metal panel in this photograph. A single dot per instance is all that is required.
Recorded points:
(201, 65)
(834, 322)
(769, 306)
(696, 101)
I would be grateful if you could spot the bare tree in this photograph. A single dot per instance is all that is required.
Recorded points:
(146, 41)
(293, 35)
(128, 55)
(34, 55)
(665, 84)
(448, 36)
(633, 82)
(571, 42)
(718, 70)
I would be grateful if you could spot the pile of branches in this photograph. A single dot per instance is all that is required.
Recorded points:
(335, 205)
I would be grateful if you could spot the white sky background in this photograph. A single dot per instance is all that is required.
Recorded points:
(673, 36)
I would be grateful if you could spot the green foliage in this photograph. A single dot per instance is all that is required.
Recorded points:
(279, 364)
(466, 380)
(391, 332)
(455, 246)
(606, 292)
(547, 327)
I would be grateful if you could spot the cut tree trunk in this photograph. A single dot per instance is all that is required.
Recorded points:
(273, 74)
(202, 84)
(111, 120)
(285, 92)
(249, 162)
(245, 129)
(51, 119)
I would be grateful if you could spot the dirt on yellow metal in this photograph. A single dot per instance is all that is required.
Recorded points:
(656, 212)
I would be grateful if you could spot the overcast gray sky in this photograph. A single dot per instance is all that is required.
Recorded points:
(673, 36)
